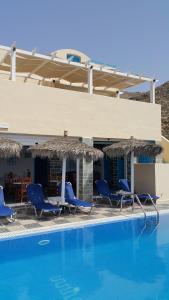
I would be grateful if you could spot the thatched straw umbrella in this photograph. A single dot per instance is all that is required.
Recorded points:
(133, 147)
(63, 148)
(9, 148)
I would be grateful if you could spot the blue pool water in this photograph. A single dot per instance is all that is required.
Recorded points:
(118, 260)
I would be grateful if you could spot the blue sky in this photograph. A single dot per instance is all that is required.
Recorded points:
(131, 34)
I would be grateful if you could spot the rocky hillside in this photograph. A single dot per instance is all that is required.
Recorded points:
(162, 97)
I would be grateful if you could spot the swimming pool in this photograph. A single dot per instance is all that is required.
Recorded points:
(117, 260)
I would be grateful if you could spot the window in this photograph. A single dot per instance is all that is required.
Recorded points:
(143, 159)
(74, 58)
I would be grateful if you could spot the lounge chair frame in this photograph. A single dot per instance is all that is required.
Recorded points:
(43, 210)
(11, 218)
(76, 207)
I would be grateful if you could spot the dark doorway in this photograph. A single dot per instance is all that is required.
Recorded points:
(41, 171)
(109, 169)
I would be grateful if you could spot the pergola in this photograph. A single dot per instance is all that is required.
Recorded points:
(64, 73)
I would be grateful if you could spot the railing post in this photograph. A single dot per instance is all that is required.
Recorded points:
(13, 64)
(90, 80)
(118, 94)
(152, 91)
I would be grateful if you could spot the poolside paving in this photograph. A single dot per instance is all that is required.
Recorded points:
(27, 222)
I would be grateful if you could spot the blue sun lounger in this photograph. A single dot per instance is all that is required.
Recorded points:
(124, 185)
(105, 192)
(6, 211)
(72, 200)
(36, 198)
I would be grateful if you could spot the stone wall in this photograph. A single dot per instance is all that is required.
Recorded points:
(55, 168)
(86, 176)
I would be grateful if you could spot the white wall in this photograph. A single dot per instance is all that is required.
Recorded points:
(144, 178)
(31, 109)
(165, 145)
(153, 179)
(162, 180)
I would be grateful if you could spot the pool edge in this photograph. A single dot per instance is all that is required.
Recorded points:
(74, 225)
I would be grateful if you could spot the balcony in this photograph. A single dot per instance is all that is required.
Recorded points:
(33, 109)
(58, 72)
(47, 94)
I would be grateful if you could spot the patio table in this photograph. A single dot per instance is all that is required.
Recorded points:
(57, 200)
(20, 189)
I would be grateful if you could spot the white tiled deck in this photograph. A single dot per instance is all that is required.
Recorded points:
(27, 223)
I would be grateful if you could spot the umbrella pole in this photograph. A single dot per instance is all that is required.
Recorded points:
(63, 180)
(132, 175)
(77, 176)
(132, 171)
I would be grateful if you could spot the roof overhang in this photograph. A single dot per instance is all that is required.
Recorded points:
(67, 73)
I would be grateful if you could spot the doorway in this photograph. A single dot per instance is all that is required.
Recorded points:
(41, 168)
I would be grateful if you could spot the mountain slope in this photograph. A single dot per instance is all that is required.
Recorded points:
(162, 97)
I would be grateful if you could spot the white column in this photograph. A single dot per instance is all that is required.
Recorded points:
(90, 80)
(13, 64)
(152, 91)
(77, 176)
(132, 172)
(63, 180)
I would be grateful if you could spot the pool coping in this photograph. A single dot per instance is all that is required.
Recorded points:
(74, 225)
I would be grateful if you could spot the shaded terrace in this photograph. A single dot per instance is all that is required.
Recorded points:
(49, 70)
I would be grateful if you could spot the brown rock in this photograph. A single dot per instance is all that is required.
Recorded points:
(162, 97)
